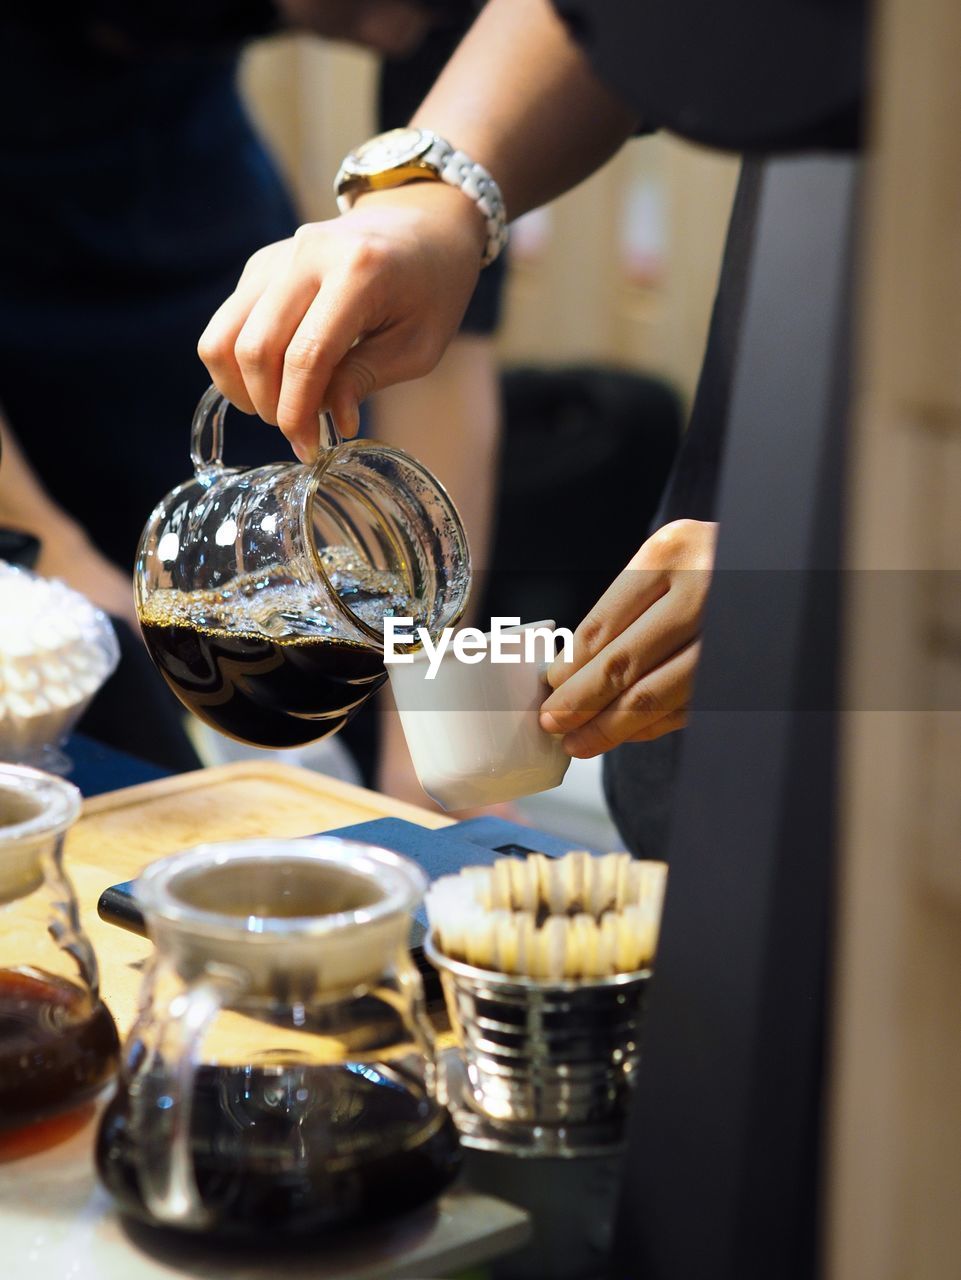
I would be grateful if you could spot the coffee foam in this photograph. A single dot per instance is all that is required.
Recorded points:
(270, 602)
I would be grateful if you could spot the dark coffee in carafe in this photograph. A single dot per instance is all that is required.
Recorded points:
(58, 1047)
(262, 661)
(279, 1079)
(58, 1042)
(285, 1151)
(271, 693)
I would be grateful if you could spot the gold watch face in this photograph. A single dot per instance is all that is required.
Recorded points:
(389, 151)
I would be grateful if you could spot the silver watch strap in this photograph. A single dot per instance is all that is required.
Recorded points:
(459, 170)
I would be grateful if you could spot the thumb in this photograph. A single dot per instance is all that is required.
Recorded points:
(352, 381)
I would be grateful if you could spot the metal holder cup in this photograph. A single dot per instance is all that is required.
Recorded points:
(544, 1068)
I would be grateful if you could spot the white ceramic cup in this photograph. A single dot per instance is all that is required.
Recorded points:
(473, 730)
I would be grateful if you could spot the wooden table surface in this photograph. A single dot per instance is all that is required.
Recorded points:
(56, 1223)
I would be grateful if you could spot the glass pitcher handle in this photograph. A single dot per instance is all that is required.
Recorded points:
(211, 409)
(162, 1103)
(410, 987)
(64, 923)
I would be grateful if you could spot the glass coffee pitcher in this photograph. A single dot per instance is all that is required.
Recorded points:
(58, 1042)
(262, 593)
(279, 1079)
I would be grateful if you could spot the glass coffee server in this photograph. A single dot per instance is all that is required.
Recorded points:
(278, 1081)
(262, 593)
(58, 1042)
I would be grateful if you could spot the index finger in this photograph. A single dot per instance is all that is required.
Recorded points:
(331, 325)
(219, 338)
(631, 593)
(660, 632)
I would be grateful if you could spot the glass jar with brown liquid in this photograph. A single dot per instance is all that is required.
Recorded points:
(262, 593)
(58, 1042)
(278, 1081)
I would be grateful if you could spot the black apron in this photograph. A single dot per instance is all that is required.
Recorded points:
(639, 776)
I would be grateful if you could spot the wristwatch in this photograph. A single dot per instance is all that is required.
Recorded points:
(412, 155)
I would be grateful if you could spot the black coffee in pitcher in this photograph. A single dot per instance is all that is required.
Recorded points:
(58, 1043)
(261, 661)
(58, 1047)
(279, 1080)
(287, 1151)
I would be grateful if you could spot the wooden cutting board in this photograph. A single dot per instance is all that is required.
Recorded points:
(120, 832)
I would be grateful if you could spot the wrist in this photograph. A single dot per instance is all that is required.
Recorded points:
(442, 205)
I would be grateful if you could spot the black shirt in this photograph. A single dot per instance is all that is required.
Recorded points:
(758, 75)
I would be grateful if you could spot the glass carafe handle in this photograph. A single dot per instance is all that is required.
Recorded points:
(64, 923)
(209, 457)
(162, 1101)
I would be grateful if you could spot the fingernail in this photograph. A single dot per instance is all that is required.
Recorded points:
(305, 453)
(548, 723)
(348, 421)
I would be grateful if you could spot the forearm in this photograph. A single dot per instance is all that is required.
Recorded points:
(519, 96)
(65, 550)
(24, 503)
